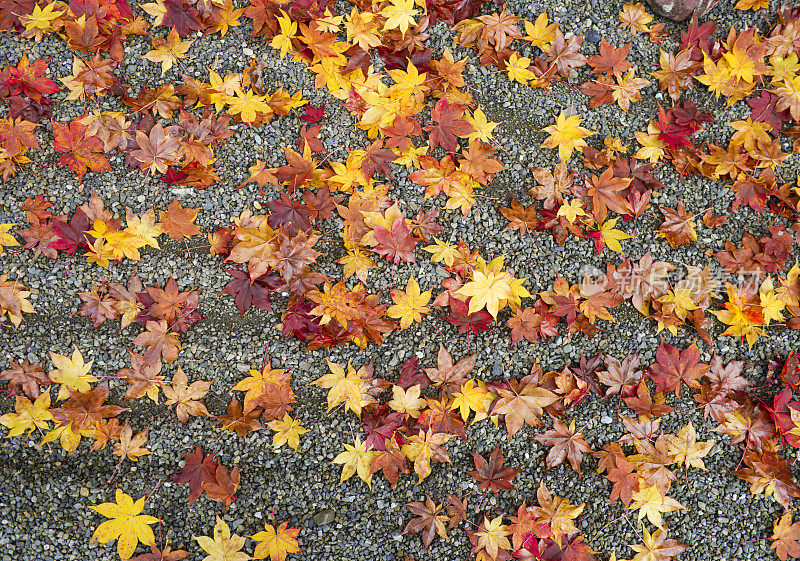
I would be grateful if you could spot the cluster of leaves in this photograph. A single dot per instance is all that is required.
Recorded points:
(408, 425)
(22, 89)
(129, 526)
(97, 232)
(410, 430)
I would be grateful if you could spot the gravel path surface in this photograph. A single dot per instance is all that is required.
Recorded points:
(44, 492)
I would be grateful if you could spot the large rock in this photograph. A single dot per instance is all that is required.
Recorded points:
(679, 10)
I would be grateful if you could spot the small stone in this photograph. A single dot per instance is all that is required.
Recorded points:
(606, 420)
(324, 517)
(84, 492)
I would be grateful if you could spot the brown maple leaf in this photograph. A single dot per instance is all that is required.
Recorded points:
(440, 417)
(491, 474)
(172, 305)
(521, 218)
(643, 403)
(223, 488)
(621, 377)
(563, 53)
(447, 375)
(391, 461)
(157, 151)
(164, 554)
(625, 480)
(186, 397)
(235, 420)
(566, 444)
(785, 536)
(677, 227)
(553, 186)
(604, 191)
(770, 474)
(531, 323)
(97, 306)
(522, 403)
(26, 377)
(159, 339)
(143, 375)
(674, 367)
(610, 61)
(429, 521)
(82, 410)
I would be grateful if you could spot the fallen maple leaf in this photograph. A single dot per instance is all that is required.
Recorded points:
(127, 525)
(178, 222)
(82, 152)
(492, 475)
(429, 521)
(199, 468)
(224, 546)
(566, 135)
(276, 542)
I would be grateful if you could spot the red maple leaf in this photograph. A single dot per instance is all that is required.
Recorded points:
(397, 244)
(82, 152)
(29, 79)
(198, 470)
(449, 125)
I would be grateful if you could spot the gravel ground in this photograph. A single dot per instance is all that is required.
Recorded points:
(44, 492)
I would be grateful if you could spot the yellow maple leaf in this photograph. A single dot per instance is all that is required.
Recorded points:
(127, 525)
(276, 542)
(224, 545)
(481, 127)
(566, 135)
(399, 14)
(626, 90)
(442, 252)
(634, 17)
(6, 238)
(71, 373)
(652, 503)
(420, 450)
(473, 396)
(228, 17)
(261, 383)
(287, 431)
(611, 236)
(653, 148)
(131, 446)
(571, 210)
(145, 227)
(357, 262)
(347, 388)
(518, 69)
(752, 5)
(356, 458)
(494, 536)
(540, 33)
(248, 105)
(771, 304)
(42, 21)
(409, 304)
(168, 51)
(28, 415)
(486, 291)
(407, 401)
(283, 40)
(743, 316)
(686, 449)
